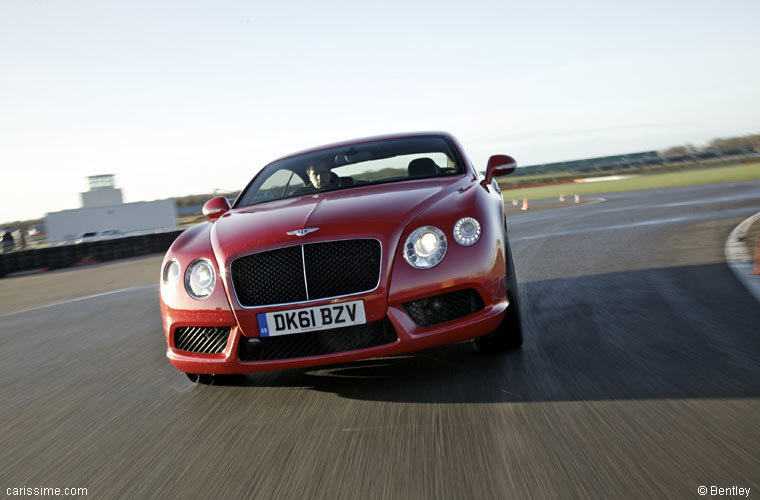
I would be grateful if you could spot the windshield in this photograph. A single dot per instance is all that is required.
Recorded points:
(348, 167)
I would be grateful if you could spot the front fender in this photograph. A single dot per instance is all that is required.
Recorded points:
(178, 308)
(481, 266)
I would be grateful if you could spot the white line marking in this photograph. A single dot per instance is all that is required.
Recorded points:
(655, 222)
(134, 288)
(606, 178)
(675, 204)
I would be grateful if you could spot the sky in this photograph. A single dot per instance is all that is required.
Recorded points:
(187, 97)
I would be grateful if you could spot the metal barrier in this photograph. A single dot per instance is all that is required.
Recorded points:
(86, 253)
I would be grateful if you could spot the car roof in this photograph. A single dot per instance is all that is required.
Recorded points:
(351, 142)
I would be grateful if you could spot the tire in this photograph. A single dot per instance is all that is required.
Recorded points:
(201, 378)
(508, 335)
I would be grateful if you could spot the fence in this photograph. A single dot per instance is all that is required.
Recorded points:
(58, 257)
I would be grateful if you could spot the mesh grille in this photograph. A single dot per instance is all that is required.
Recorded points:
(273, 277)
(441, 308)
(205, 339)
(341, 267)
(323, 342)
(333, 268)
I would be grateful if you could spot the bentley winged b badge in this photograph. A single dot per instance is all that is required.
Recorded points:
(303, 232)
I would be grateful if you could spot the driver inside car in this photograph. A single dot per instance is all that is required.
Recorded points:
(321, 177)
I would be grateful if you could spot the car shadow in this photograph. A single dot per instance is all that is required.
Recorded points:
(677, 332)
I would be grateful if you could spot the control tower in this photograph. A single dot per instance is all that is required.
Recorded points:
(102, 192)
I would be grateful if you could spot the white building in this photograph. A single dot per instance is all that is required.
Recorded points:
(102, 208)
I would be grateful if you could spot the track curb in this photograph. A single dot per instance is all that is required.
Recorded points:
(739, 256)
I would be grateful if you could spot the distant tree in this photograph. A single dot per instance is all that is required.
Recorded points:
(735, 142)
(686, 149)
(715, 145)
(21, 225)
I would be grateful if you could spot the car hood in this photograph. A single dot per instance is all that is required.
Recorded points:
(265, 226)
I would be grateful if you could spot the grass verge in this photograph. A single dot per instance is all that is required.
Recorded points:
(696, 176)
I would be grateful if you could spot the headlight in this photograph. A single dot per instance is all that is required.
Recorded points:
(200, 279)
(171, 273)
(425, 247)
(467, 231)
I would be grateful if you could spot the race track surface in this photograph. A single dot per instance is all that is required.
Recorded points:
(639, 378)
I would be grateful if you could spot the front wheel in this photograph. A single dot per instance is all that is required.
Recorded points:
(508, 335)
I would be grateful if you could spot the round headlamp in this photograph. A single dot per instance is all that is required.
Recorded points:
(425, 247)
(171, 273)
(200, 279)
(467, 231)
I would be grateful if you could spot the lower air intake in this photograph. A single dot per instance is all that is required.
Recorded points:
(201, 339)
(300, 345)
(442, 308)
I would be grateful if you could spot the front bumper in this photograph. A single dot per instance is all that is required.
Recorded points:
(411, 337)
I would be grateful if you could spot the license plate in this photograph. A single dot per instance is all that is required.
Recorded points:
(310, 319)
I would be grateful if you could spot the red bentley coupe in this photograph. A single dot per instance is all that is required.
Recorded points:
(353, 250)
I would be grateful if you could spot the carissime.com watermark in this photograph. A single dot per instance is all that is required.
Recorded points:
(723, 491)
(39, 491)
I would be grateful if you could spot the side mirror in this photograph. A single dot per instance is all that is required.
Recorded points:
(499, 165)
(216, 207)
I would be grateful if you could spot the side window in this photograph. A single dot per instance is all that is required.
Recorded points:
(277, 185)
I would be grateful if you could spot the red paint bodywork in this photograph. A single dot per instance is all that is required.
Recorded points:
(386, 212)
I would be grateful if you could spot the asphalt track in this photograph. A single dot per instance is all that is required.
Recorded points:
(639, 378)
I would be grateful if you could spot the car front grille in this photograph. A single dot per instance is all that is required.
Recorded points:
(442, 308)
(201, 339)
(306, 272)
(331, 341)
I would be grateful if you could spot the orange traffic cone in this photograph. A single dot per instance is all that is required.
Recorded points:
(525, 205)
(577, 199)
(562, 198)
(514, 202)
(757, 256)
